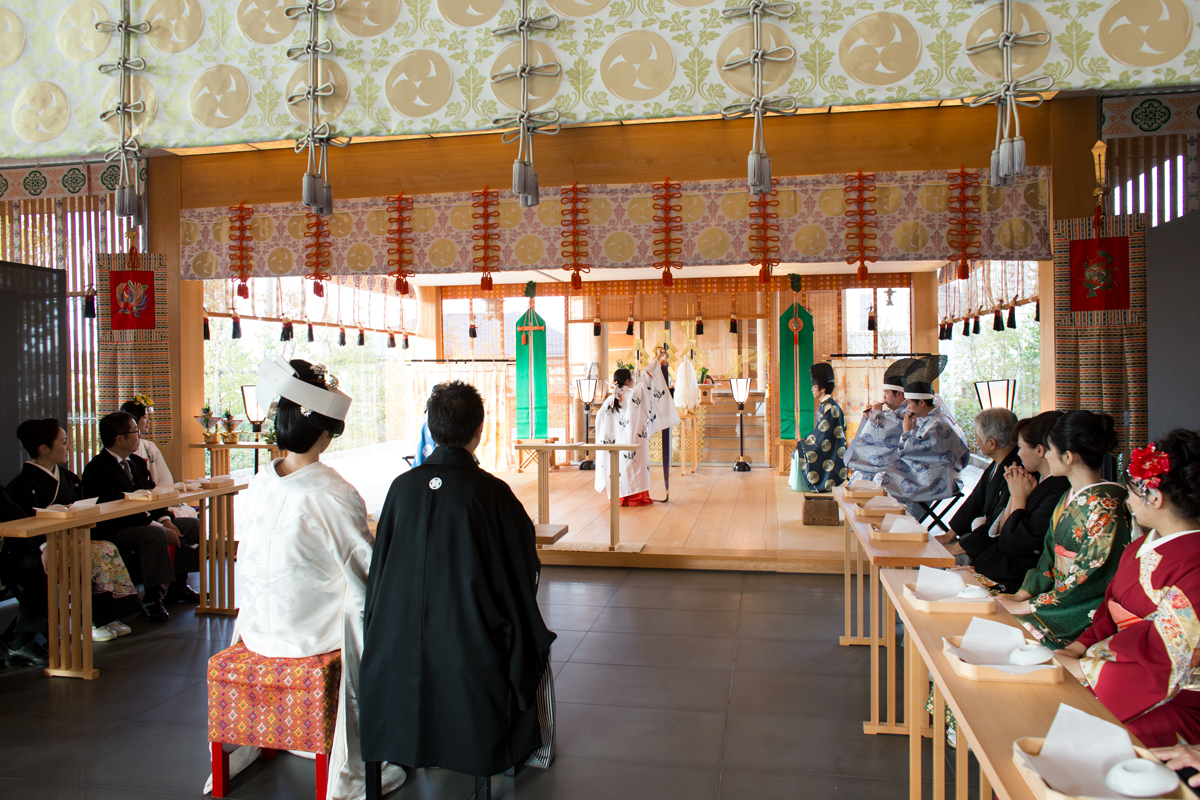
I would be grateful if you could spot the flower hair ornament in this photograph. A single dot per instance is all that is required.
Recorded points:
(1147, 465)
(144, 400)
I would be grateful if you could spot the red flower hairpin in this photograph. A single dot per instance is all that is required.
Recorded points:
(1147, 464)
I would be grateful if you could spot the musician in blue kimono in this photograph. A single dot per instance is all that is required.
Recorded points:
(933, 452)
(877, 442)
(824, 450)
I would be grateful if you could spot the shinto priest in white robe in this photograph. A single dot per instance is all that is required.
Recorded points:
(304, 552)
(645, 409)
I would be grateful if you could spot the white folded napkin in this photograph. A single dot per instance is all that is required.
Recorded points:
(902, 523)
(1079, 751)
(881, 502)
(937, 584)
(988, 644)
(140, 494)
(863, 486)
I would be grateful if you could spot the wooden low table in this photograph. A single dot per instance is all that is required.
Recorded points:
(543, 482)
(69, 569)
(990, 716)
(878, 555)
(218, 453)
(524, 459)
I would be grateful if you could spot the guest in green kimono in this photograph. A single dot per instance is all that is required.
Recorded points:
(824, 450)
(1089, 530)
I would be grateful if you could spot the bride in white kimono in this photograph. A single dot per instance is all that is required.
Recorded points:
(636, 410)
(303, 557)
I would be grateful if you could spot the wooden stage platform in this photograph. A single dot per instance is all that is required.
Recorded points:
(716, 519)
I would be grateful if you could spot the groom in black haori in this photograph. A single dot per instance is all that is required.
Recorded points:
(456, 662)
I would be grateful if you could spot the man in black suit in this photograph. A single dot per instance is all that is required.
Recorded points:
(141, 538)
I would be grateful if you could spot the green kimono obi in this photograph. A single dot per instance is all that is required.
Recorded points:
(1088, 532)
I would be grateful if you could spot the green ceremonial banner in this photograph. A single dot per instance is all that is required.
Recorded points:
(531, 376)
(795, 361)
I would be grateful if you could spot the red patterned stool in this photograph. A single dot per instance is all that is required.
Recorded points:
(273, 704)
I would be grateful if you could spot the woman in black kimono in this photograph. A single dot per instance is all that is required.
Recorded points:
(44, 481)
(824, 450)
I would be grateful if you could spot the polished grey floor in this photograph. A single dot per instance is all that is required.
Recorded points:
(670, 684)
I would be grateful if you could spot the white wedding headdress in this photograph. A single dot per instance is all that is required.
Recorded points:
(277, 378)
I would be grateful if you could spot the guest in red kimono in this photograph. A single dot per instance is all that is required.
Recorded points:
(1141, 655)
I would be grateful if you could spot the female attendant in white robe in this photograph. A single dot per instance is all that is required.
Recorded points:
(636, 410)
(303, 558)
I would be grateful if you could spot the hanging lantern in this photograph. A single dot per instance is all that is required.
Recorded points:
(237, 326)
(391, 340)
(596, 326)
(998, 321)
(342, 337)
(976, 328)
(310, 332)
(362, 337)
(1012, 316)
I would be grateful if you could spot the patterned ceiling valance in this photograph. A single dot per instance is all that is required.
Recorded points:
(911, 211)
(217, 72)
(1151, 115)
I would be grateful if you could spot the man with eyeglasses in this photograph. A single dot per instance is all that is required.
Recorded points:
(141, 538)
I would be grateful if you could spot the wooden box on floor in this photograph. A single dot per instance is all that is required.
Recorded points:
(820, 510)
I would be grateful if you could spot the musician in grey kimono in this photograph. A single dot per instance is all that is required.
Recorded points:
(877, 442)
(933, 451)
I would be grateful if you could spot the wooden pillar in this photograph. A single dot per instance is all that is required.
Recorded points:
(1046, 327)
(429, 323)
(924, 312)
(185, 321)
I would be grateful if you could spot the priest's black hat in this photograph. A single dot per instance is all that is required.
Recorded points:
(918, 381)
(822, 374)
(893, 378)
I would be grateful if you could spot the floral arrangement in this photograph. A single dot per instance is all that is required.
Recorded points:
(1147, 465)
(229, 422)
(206, 417)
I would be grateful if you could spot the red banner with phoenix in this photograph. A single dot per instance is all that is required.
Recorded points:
(132, 300)
(1100, 274)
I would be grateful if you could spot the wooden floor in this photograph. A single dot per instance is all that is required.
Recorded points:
(716, 519)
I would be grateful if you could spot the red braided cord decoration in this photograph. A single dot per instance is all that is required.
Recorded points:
(764, 232)
(574, 235)
(670, 223)
(858, 238)
(487, 251)
(962, 236)
(317, 256)
(241, 259)
(400, 252)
